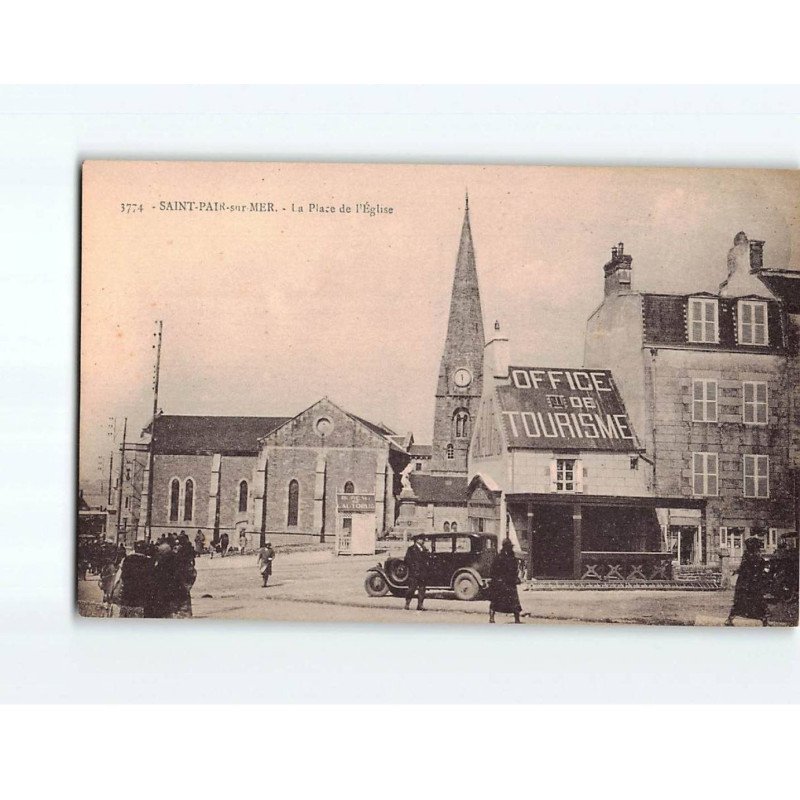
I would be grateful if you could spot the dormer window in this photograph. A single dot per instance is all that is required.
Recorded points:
(752, 322)
(703, 320)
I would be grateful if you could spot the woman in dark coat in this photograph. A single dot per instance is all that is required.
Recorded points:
(748, 597)
(503, 588)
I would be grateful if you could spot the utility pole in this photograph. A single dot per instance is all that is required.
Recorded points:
(110, 470)
(151, 460)
(121, 477)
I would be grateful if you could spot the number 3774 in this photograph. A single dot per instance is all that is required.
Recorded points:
(131, 208)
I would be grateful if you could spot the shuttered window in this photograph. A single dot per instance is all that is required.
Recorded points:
(705, 474)
(756, 476)
(752, 322)
(704, 401)
(703, 320)
(754, 403)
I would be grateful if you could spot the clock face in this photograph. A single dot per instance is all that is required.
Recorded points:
(462, 378)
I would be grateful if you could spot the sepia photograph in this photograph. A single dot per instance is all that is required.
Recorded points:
(439, 394)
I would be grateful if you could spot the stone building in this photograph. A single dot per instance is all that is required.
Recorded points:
(270, 475)
(705, 379)
(306, 462)
(557, 467)
(785, 285)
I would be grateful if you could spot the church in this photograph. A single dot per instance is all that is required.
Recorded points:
(326, 472)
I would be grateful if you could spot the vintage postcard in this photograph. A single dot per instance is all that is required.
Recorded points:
(439, 394)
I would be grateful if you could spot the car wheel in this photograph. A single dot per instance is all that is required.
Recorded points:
(397, 571)
(466, 587)
(376, 585)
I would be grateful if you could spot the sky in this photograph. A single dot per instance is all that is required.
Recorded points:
(266, 312)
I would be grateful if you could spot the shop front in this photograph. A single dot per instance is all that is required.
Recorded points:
(593, 537)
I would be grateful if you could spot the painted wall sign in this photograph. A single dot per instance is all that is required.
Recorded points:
(355, 503)
(551, 408)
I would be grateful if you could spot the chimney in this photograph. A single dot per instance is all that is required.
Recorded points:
(496, 355)
(618, 271)
(756, 255)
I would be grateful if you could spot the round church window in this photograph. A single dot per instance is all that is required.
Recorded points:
(323, 426)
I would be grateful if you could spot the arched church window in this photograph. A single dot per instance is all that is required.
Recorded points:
(451, 453)
(243, 491)
(461, 423)
(447, 527)
(174, 499)
(349, 488)
(294, 502)
(188, 500)
(454, 528)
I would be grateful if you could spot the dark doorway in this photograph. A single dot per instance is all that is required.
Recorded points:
(552, 550)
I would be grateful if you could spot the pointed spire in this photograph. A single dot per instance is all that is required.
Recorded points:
(461, 368)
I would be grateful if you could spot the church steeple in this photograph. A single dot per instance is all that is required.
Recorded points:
(460, 381)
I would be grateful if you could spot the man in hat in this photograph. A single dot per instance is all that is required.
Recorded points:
(265, 556)
(417, 560)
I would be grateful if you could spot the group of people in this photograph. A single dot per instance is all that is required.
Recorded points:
(153, 581)
(95, 554)
(221, 546)
(503, 592)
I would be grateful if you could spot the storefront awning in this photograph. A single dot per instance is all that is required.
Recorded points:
(556, 499)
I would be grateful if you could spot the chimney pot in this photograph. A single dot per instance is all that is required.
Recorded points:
(756, 255)
(620, 249)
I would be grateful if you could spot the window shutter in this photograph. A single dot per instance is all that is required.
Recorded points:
(553, 476)
(578, 475)
(723, 536)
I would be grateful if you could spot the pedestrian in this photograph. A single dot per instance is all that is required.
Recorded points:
(83, 560)
(265, 557)
(224, 540)
(167, 594)
(199, 542)
(503, 593)
(137, 582)
(242, 541)
(107, 574)
(186, 575)
(748, 596)
(417, 560)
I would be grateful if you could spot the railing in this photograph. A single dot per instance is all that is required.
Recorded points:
(625, 566)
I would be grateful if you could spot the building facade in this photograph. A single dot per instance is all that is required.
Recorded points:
(269, 475)
(557, 467)
(705, 378)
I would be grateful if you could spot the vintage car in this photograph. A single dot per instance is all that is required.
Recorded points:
(459, 562)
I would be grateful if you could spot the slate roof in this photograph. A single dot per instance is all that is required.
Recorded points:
(665, 323)
(421, 450)
(439, 488)
(784, 283)
(178, 434)
(380, 428)
(550, 408)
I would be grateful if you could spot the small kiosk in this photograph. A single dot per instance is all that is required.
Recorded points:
(355, 524)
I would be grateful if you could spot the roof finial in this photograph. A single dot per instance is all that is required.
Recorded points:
(466, 199)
